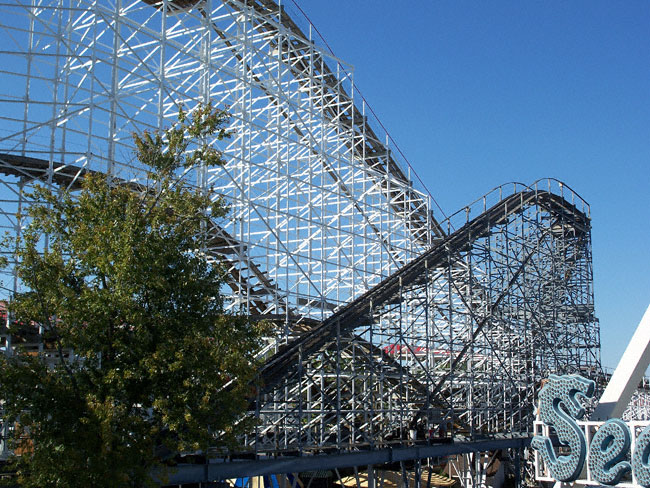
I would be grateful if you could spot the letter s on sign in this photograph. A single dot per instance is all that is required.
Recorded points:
(562, 391)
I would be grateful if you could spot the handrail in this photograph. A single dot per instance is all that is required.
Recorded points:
(505, 190)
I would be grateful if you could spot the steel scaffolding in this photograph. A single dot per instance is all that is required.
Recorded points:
(392, 321)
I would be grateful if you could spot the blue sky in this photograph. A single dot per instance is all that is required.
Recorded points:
(482, 93)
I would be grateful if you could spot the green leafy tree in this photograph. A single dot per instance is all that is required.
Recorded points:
(123, 284)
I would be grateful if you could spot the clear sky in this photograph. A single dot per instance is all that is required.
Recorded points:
(482, 93)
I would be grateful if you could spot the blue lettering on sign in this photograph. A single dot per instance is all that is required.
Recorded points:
(608, 449)
(640, 458)
(558, 397)
(559, 408)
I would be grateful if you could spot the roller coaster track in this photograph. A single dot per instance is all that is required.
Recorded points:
(385, 315)
(360, 310)
(524, 339)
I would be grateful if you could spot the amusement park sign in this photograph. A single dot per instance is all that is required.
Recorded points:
(605, 445)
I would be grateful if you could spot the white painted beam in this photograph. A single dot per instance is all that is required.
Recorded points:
(627, 375)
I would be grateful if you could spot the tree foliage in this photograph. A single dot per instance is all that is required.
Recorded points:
(123, 284)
